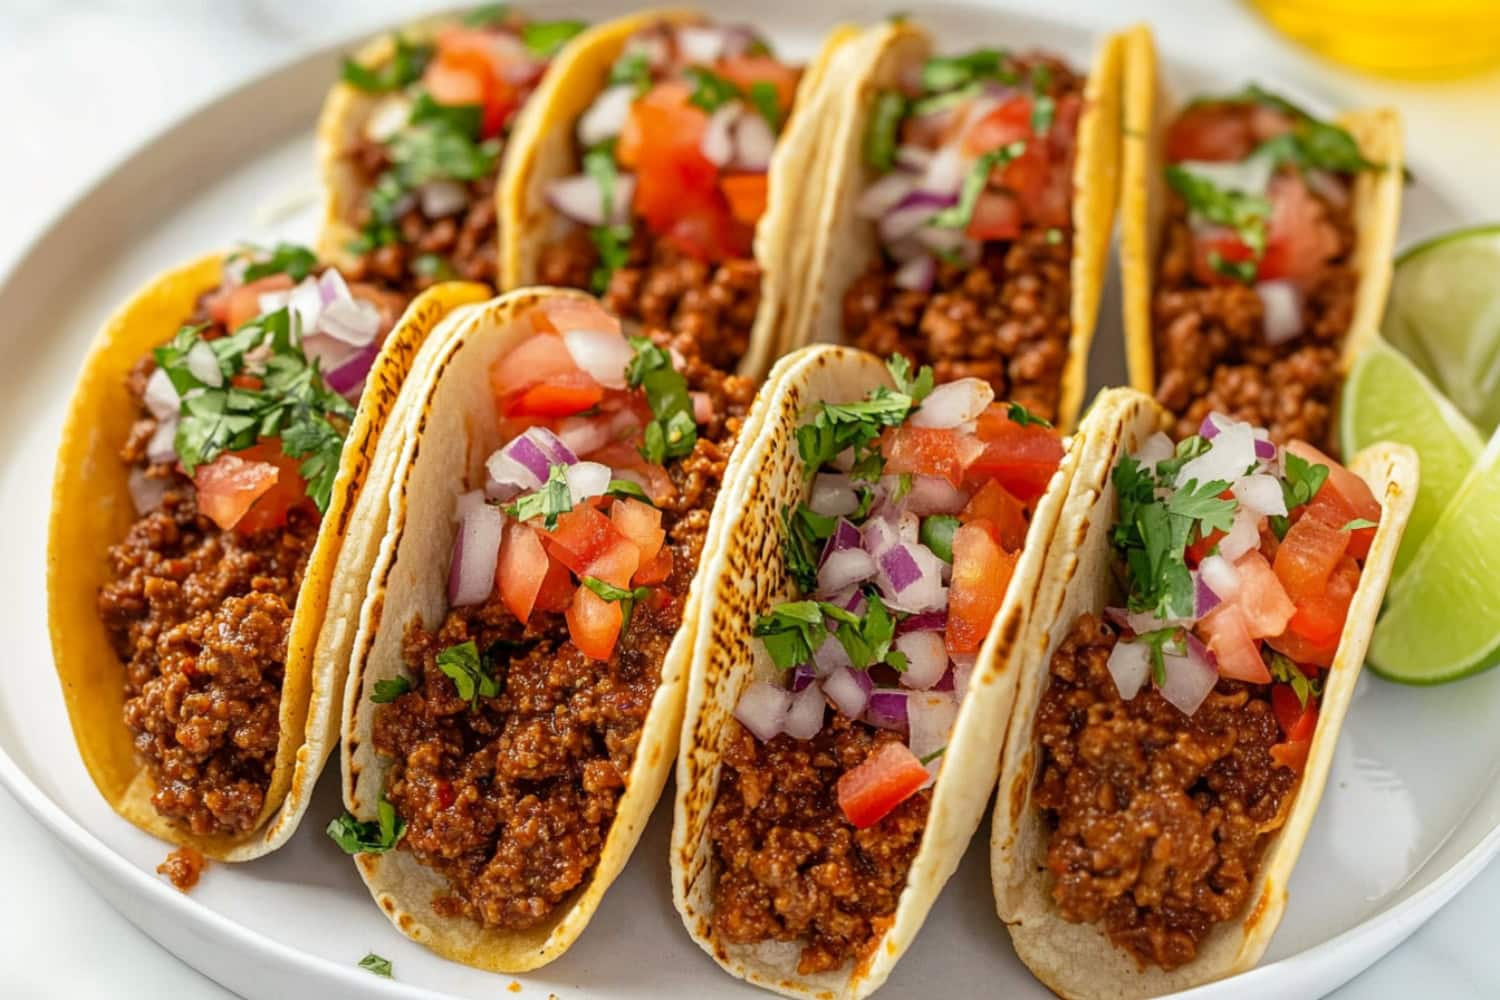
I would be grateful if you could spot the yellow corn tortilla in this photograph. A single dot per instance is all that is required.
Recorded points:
(1143, 204)
(747, 577)
(92, 510)
(450, 425)
(545, 151)
(844, 244)
(1077, 960)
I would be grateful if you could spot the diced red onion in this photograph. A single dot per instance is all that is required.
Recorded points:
(763, 709)
(917, 274)
(700, 43)
(204, 364)
(879, 535)
(603, 354)
(1281, 302)
(804, 719)
(1129, 663)
(161, 396)
(833, 495)
(146, 491)
(1243, 536)
(1231, 453)
(1265, 449)
(163, 444)
(899, 568)
(1209, 428)
(926, 659)
(929, 718)
(884, 195)
(442, 198)
(927, 621)
(579, 197)
(1261, 493)
(915, 158)
(466, 502)
(754, 143)
(844, 568)
(934, 495)
(550, 445)
(354, 322)
(945, 682)
(802, 676)
(606, 117)
(954, 403)
(945, 172)
(830, 656)
(1189, 678)
(887, 710)
(920, 572)
(520, 463)
(476, 548)
(587, 479)
(911, 214)
(717, 144)
(849, 690)
(1204, 598)
(350, 374)
(739, 39)
(845, 536)
(1156, 447)
(1220, 576)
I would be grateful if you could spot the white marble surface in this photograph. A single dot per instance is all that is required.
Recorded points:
(88, 80)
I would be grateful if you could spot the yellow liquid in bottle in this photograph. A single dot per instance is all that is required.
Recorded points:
(1410, 38)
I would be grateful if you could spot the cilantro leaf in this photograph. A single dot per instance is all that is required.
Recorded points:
(1158, 641)
(626, 488)
(1312, 143)
(1246, 214)
(1243, 271)
(626, 598)
(978, 178)
(933, 756)
(806, 531)
(377, 964)
(487, 15)
(544, 38)
(867, 640)
(631, 68)
(375, 837)
(881, 138)
(469, 673)
(791, 632)
(612, 239)
(1188, 449)
(710, 90)
(1203, 504)
(552, 499)
(917, 388)
(766, 101)
(672, 433)
(1043, 108)
(947, 72)
(389, 690)
(292, 259)
(1287, 672)
(1301, 480)
(1358, 524)
(433, 266)
(406, 65)
(1018, 414)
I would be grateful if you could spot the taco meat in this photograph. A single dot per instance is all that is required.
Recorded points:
(511, 797)
(1158, 820)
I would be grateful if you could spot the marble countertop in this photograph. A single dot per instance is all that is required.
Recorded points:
(90, 79)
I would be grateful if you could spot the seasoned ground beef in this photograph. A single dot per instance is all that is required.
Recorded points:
(512, 801)
(183, 867)
(462, 245)
(790, 866)
(1211, 353)
(1004, 320)
(1158, 821)
(662, 287)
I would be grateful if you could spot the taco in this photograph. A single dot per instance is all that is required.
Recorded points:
(412, 138)
(1257, 243)
(214, 455)
(854, 664)
(1201, 626)
(516, 683)
(968, 212)
(665, 169)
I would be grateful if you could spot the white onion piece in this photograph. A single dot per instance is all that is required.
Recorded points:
(579, 198)
(849, 690)
(146, 491)
(884, 195)
(587, 479)
(1129, 663)
(833, 495)
(717, 145)
(354, 322)
(332, 287)
(1262, 494)
(830, 656)
(963, 669)
(161, 396)
(700, 44)
(1228, 458)
(467, 502)
(476, 549)
(954, 403)
(1243, 536)
(763, 709)
(505, 471)
(804, 719)
(583, 435)
(917, 274)
(604, 354)
(844, 568)
(389, 116)
(1281, 303)
(754, 143)
(914, 158)
(204, 364)
(945, 173)
(929, 718)
(926, 659)
(1157, 447)
(1251, 175)
(269, 302)
(934, 495)
(163, 444)
(606, 117)
(1220, 576)
(909, 529)
(442, 198)
(1189, 678)
(902, 222)
(306, 301)
(879, 535)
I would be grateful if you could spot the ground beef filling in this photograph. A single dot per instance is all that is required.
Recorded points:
(662, 287)
(1158, 821)
(183, 867)
(462, 245)
(791, 867)
(1211, 353)
(512, 801)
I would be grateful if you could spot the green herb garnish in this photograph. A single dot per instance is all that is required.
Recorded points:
(1246, 214)
(405, 66)
(947, 72)
(884, 128)
(710, 90)
(765, 99)
(626, 488)
(389, 690)
(1358, 524)
(552, 499)
(1302, 480)
(611, 239)
(377, 837)
(291, 259)
(633, 69)
(1243, 271)
(377, 964)
(1018, 414)
(1287, 672)
(544, 38)
(978, 178)
(917, 388)
(469, 673)
(792, 631)
(626, 598)
(672, 433)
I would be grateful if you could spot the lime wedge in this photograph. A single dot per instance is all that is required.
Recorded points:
(1444, 314)
(1387, 399)
(1442, 619)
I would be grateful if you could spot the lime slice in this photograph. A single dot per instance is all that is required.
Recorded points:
(1442, 619)
(1444, 314)
(1387, 399)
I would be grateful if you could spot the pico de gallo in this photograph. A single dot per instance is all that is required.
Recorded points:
(972, 205)
(1256, 285)
(428, 152)
(918, 505)
(1175, 728)
(242, 417)
(673, 159)
(513, 731)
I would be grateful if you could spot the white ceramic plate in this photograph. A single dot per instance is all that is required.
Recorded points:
(1409, 817)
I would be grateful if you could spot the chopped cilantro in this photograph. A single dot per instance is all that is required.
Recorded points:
(552, 499)
(389, 690)
(1302, 480)
(885, 123)
(1359, 523)
(937, 533)
(806, 531)
(488, 14)
(1287, 672)
(466, 119)
(405, 66)
(1312, 143)
(376, 837)
(544, 38)
(672, 432)
(433, 266)
(1041, 78)
(710, 90)
(917, 388)
(1187, 449)
(626, 488)
(957, 216)
(764, 98)
(377, 964)
(1053, 236)
(947, 72)
(1203, 504)
(631, 68)
(612, 239)
(470, 674)
(1240, 270)
(1246, 214)
(945, 101)
(625, 598)
(792, 631)
(1158, 641)
(933, 756)
(1043, 108)
(1018, 414)
(291, 259)
(1152, 540)
(867, 640)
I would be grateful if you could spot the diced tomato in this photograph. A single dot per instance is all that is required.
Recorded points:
(1212, 241)
(1292, 755)
(454, 81)
(996, 505)
(251, 490)
(594, 623)
(1215, 132)
(1227, 636)
(473, 66)
(1204, 547)
(535, 359)
(930, 451)
(657, 570)
(582, 535)
(559, 396)
(1344, 497)
(641, 523)
(709, 232)
(242, 381)
(1300, 238)
(1297, 720)
(746, 71)
(1007, 123)
(616, 564)
(997, 216)
(1022, 459)
(662, 141)
(747, 196)
(1261, 598)
(556, 591)
(1312, 636)
(521, 569)
(881, 782)
(234, 307)
(1307, 555)
(567, 313)
(981, 571)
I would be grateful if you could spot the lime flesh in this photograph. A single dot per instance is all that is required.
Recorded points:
(1442, 618)
(1387, 399)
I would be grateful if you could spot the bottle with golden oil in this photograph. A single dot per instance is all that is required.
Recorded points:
(1410, 38)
